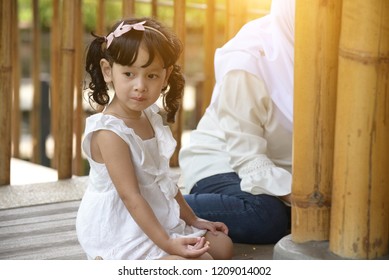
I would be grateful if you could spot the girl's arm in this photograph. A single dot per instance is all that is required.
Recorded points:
(115, 153)
(190, 218)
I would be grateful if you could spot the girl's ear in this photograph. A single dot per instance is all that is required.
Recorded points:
(106, 69)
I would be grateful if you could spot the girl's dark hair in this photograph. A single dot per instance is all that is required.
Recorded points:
(124, 50)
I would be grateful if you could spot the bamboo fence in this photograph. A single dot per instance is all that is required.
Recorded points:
(66, 59)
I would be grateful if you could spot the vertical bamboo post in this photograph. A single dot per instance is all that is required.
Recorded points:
(65, 130)
(55, 78)
(209, 50)
(100, 29)
(179, 27)
(236, 11)
(314, 106)
(78, 74)
(128, 8)
(36, 70)
(154, 8)
(5, 91)
(15, 81)
(360, 208)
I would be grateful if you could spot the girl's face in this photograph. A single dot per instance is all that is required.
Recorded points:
(136, 87)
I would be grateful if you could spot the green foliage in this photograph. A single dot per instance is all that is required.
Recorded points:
(194, 16)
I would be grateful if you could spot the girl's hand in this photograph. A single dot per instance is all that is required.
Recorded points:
(190, 247)
(213, 227)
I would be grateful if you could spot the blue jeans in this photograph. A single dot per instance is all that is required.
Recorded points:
(255, 219)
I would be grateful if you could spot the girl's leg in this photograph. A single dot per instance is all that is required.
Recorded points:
(260, 219)
(220, 246)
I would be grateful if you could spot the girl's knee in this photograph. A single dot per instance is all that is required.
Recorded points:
(221, 246)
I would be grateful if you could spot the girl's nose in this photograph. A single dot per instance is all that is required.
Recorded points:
(140, 84)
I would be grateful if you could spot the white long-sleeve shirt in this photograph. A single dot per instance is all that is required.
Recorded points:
(242, 132)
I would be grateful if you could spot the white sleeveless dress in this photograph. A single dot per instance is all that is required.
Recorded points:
(104, 226)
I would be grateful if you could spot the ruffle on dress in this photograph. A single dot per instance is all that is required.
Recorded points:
(164, 177)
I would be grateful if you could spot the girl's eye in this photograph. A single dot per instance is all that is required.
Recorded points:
(153, 76)
(128, 74)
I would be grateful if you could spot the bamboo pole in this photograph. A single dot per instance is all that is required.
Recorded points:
(314, 106)
(79, 118)
(179, 27)
(100, 29)
(65, 130)
(15, 82)
(360, 211)
(55, 79)
(36, 70)
(128, 8)
(5, 91)
(154, 8)
(209, 50)
(236, 17)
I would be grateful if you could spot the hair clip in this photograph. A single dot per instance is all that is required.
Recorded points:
(124, 28)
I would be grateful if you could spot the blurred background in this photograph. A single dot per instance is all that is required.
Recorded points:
(36, 34)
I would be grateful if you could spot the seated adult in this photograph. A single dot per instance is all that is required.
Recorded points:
(237, 166)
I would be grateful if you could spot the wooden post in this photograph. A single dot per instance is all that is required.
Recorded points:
(360, 208)
(65, 129)
(209, 49)
(236, 11)
(100, 29)
(55, 78)
(315, 82)
(79, 118)
(128, 8)
(154, 8)
(35, 114)
(5, 91)
(15, 81)
(179, 27)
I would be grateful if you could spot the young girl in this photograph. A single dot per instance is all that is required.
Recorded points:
(132, 208)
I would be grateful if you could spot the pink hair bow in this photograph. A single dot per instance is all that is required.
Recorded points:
(124, 28)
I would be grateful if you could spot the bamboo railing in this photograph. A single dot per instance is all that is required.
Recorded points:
(66, 75)
(341, 131)
(66, 59)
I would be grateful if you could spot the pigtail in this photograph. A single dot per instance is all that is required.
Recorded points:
(172, 97)
(97, 85)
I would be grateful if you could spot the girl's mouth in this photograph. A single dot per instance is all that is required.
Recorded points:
(138, 98)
